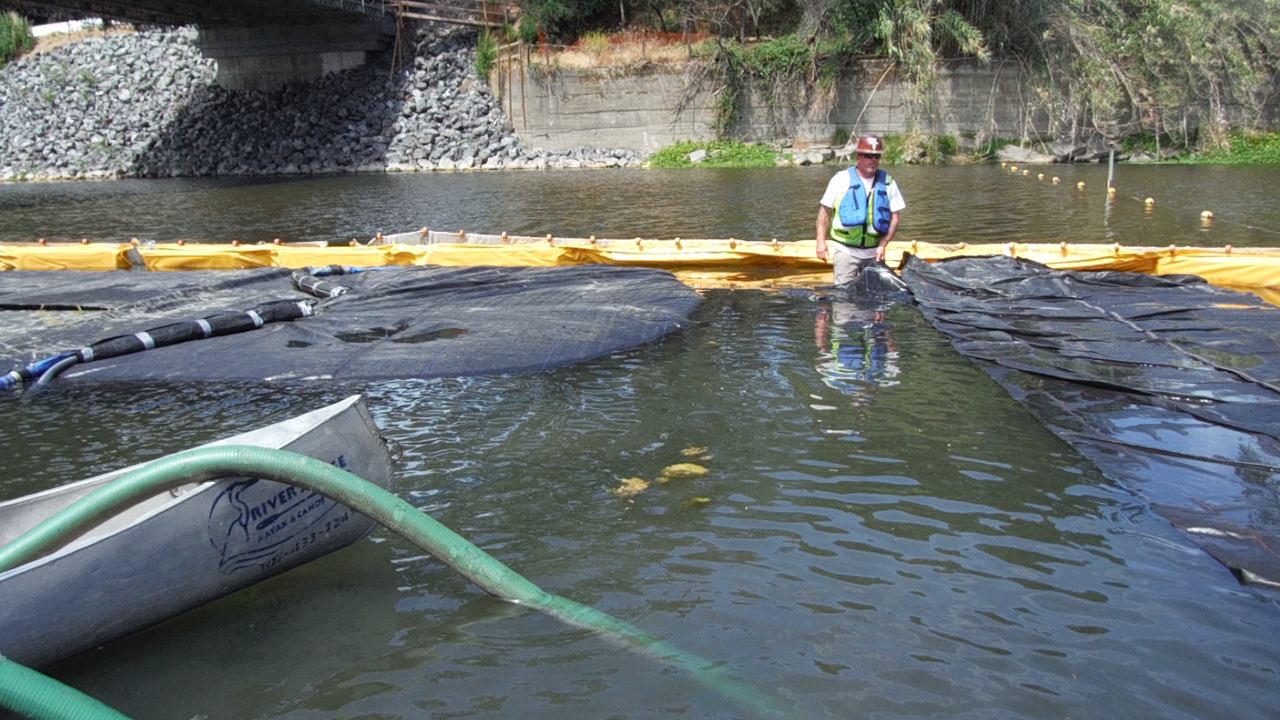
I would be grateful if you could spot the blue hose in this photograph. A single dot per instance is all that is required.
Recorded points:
(35, 370)
(58, 368)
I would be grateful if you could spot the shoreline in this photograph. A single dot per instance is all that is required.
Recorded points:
(143, 105)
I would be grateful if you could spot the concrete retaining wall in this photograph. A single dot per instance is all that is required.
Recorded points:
(642, 109)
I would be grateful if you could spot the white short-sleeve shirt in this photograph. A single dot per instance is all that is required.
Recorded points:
(839, 185)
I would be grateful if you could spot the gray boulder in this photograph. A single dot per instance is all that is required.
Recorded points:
(1026, 156)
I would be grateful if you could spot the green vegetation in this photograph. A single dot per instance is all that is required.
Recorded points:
(779, 67)
(1244, 149)
(989, 148)
(919, 148)
(594, 42)
(486, 53)
(720, 154)
(15, 37)
(1183, 72)
(564, 20)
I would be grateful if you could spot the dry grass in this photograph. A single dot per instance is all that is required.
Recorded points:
(626, 50)
(53, 42)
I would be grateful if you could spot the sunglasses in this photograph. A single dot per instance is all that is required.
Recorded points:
(869, 155)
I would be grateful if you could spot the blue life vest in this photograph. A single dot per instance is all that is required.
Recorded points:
(860, 230)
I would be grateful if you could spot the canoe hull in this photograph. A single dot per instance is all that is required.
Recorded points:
(172, 554)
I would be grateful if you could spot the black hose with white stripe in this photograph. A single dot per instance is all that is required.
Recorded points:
(227, 323)
(308, 280)
(45, 370)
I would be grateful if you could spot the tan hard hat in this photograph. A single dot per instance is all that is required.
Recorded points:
(870, 145)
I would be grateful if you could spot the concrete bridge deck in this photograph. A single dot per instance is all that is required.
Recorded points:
(248, 13)
(263, 45)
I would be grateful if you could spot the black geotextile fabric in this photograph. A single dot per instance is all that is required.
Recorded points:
(120, 289)
(1170, 385)
(402, 322)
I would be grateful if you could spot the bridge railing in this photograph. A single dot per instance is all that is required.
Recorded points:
(483, 13)
(368, 7)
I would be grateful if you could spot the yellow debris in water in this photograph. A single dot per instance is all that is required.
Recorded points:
(695, 502)
(691, 451)
(1206, 214)
(680, 471)
(1056, 179)
(1080, 185)
(630, 487)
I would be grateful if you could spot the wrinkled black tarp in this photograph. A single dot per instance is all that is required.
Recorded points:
(1170, 385)
(402, 322)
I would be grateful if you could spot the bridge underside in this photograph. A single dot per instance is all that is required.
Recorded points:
(248, 13)
(223, 13)
(262, 45)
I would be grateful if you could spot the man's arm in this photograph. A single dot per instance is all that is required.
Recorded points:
(824, 230)
(885, 239)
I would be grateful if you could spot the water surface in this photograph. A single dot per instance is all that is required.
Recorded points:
(945, 204)
(882, 532)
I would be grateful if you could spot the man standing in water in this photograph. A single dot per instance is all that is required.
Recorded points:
(857, 220)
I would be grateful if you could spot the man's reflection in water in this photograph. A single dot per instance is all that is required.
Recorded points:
(856, 347)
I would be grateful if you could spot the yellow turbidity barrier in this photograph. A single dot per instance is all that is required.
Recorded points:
(93, 256)
(699, 262)
(233, 257)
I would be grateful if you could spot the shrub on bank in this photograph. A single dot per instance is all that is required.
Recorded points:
(486, 53)
(15, 36)
(1245, 149)
(720, 154)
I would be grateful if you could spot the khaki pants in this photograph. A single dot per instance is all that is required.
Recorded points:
(850, 262)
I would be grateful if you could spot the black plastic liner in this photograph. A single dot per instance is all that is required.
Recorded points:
(119, 289)
(1168, 384)
(402, 322)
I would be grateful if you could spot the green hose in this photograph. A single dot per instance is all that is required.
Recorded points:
(211, 463)
(29, 693)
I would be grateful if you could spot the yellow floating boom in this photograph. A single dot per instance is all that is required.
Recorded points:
(698, 262)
